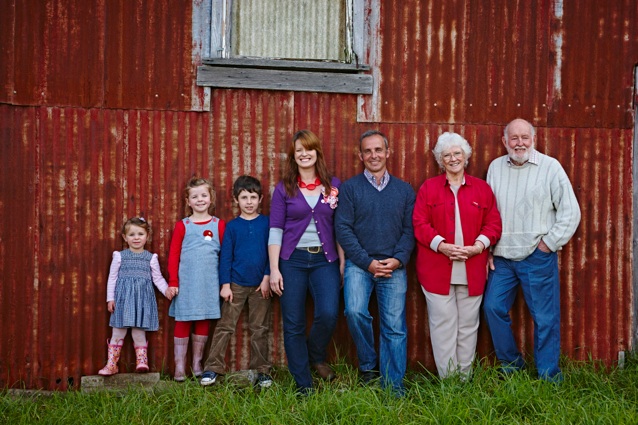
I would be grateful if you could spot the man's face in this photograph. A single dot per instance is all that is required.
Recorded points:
(374, 154)
(519, 141)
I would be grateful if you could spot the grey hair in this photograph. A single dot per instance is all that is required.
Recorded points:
(448, 140)
(531, 127)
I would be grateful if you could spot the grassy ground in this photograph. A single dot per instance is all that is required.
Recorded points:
(590, 394)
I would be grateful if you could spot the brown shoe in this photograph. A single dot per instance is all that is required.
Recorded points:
(324, 371)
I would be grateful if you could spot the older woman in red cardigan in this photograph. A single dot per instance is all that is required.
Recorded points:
(455, 222)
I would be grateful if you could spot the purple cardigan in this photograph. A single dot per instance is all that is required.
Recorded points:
(293, 216)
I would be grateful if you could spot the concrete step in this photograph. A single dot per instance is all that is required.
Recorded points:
(119, 381)
(124, 381)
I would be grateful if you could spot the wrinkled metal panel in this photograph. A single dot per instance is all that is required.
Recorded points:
(75, 175)
(69, 176)
(595, 271)
(554, 62)
(72, 177)
(113, 54)
(259, 29)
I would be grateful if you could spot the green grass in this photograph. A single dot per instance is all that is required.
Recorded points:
(590, 394)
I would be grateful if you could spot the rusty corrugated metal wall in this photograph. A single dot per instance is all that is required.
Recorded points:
(100, 119)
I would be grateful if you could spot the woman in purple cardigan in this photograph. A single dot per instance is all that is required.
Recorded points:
(304, 257)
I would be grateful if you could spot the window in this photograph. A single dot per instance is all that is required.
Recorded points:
(307, 45)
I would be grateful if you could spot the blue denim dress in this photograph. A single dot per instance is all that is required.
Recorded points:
(135, 304)
(198, 297)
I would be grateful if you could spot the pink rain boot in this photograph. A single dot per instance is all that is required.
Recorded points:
(181, 347)
(114, 351)
(199, 342)
(141, 358)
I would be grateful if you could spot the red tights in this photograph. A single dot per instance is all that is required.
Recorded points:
(183, 329)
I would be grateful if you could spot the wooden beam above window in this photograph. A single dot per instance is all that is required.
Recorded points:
(287, 64)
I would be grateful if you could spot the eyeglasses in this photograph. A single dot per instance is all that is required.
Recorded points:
(456, 155)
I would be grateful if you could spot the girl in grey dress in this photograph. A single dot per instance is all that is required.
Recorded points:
(130, 296)
(193, 267)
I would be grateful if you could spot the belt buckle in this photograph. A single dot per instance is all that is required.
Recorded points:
(314, 249)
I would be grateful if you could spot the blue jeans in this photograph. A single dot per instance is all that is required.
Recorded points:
(538, 277)
(306, 272)
(393, 338)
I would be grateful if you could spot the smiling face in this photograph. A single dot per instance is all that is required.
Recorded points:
(135, 237)
(248, 203)
(453, 160)
(519, 141)
(374, 154)
(305, 158)
(199, 199)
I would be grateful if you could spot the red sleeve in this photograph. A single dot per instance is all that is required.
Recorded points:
(221, 227)
(422, 219)
(174, 254)
(492, 225)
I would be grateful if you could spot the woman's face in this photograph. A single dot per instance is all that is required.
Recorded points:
(453, 160)
(304, 158)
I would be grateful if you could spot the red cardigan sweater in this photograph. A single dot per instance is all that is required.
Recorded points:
(434, 215)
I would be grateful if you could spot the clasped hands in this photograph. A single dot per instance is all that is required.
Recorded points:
(458, 252)
(383, 268)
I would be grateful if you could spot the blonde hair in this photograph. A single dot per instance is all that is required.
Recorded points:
(196, 182)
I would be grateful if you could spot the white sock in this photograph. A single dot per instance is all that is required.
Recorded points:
(139, 337)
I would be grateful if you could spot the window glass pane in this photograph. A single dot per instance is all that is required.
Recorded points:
(289, 29)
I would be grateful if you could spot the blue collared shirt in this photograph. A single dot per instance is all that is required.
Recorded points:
(373, 181)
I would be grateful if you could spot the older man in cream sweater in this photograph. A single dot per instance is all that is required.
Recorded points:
(540, 214)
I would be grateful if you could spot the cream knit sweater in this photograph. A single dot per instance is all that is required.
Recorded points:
(536, 201)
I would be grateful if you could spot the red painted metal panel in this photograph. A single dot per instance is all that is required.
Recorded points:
(73, 174)
(7, 50)
(148, 54)
(594, 49)
(82, 172)
(113, 54)
(560, 63)
(19, 233)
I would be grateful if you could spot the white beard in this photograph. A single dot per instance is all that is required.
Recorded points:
(518, 157)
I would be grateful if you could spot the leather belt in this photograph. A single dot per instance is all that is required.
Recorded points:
(312, 249)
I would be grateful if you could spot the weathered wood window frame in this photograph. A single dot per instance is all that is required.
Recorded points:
(224, 71)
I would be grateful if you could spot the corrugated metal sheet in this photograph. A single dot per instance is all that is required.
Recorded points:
(114, 54)
(69, 176)
(490, 61)
(262, 30)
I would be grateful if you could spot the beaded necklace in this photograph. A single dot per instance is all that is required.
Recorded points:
(310, 186)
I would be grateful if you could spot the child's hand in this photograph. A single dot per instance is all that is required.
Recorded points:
(226, 293)
(264, 287)
(111, 306)
(171, 291)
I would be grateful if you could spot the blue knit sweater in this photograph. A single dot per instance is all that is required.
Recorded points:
(244, 255)
(372, 225)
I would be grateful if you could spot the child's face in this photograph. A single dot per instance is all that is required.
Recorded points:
(199, 199)
(249, 202)
(135, 237)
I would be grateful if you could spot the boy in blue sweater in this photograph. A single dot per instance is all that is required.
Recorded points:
(244, 275)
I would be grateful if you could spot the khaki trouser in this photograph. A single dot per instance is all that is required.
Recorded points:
(259, 319)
